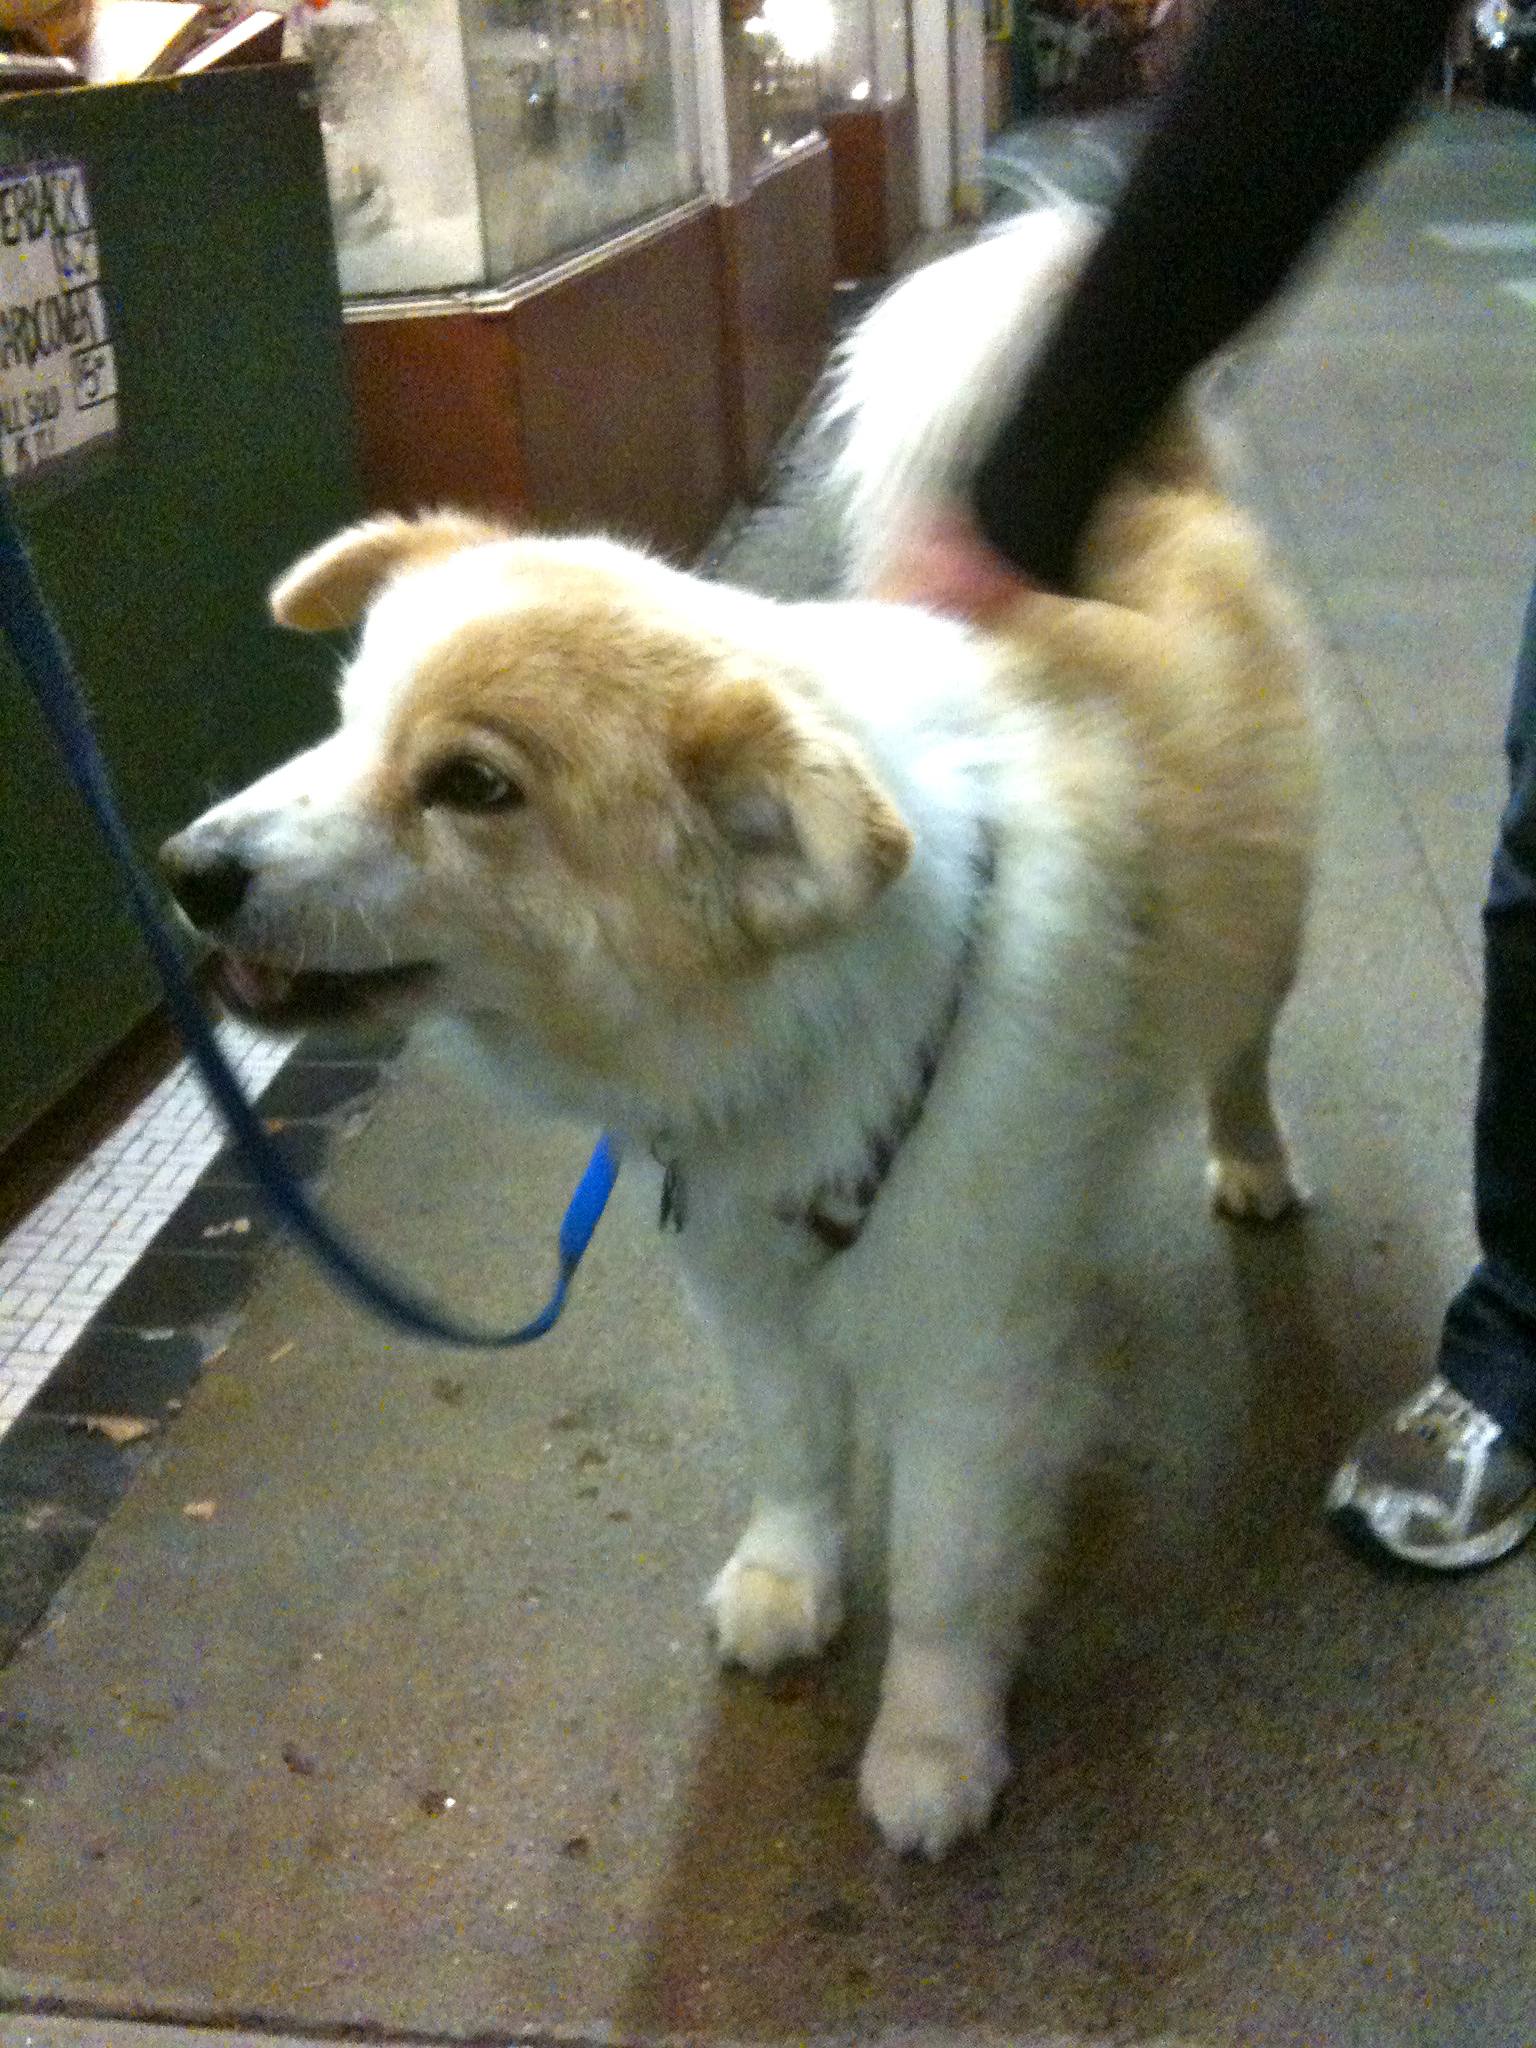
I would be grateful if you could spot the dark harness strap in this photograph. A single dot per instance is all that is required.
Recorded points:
(838, 1207)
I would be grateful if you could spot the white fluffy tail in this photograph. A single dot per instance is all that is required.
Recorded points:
(926, 379)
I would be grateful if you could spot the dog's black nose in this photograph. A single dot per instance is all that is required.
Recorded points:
(210, 887)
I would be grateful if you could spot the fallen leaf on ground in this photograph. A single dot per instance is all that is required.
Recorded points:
(117, 1429)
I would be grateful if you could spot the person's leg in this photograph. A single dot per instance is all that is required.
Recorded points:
(1488, 1350)
(1449, 1480)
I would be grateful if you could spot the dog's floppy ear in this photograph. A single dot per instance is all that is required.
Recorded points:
(810, 836)
(332, 585)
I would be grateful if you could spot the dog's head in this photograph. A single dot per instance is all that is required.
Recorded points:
(570, 788)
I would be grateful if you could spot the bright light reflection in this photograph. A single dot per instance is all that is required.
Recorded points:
(803, 29)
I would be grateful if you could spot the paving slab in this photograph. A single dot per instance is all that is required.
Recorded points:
(384, 1701)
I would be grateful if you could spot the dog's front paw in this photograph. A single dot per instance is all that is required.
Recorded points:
(767, 1612)
(1254, 1190)
(925, 1792)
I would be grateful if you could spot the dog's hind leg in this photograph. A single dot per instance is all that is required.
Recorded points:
(1249, 1173)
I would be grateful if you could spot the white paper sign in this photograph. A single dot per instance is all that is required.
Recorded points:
(58, 372)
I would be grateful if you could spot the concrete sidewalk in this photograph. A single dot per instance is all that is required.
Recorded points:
(55, 2031)
(411, 1726)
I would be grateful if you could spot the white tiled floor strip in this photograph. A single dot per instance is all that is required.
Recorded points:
(59, 1265)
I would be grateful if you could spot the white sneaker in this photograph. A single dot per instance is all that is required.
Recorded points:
(1437, 1484)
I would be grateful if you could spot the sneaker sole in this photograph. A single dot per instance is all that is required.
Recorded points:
(1474, 1553)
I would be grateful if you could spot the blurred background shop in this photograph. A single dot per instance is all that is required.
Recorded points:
(607, 289)
(603, 293)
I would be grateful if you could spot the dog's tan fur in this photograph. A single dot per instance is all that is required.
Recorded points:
(1185, 638)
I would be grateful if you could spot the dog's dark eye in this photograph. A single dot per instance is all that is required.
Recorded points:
(465, 784)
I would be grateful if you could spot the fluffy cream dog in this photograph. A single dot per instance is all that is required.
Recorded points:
(892, 941)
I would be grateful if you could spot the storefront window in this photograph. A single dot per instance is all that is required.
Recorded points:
(468, 140)
(801, 57)
(584, 114)
(784, 48)
(867, 65)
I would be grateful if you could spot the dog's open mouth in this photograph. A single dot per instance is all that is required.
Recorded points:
(283, 998)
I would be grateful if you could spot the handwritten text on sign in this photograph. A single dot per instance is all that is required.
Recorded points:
(58, 374)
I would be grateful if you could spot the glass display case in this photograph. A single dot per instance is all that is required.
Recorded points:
(867, 63)
(803, 58)
(779, 48)
(470, 140)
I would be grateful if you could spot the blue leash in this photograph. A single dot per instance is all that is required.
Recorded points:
(44, 660)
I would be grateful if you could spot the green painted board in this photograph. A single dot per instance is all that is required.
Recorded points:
(215, 279)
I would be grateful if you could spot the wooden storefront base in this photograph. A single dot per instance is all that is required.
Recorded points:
(776, 272)
(436, 412)
(642, 393)
(594, 401)
(874, 186)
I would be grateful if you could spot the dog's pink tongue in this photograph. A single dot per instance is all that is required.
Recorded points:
(253, 984)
